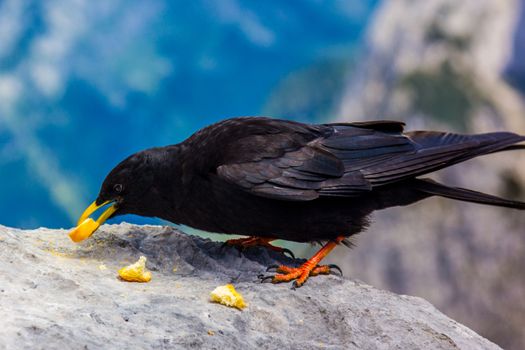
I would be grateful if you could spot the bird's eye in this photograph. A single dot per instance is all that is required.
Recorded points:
(118, 188)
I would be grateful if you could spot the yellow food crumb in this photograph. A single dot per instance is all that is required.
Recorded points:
(84, 230)
(227, 295)
(102, 267)
(211, 332)
(174, 269)
(135, 272)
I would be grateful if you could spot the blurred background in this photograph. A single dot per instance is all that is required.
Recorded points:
(84, 84)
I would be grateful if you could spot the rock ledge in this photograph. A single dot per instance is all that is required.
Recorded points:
(56, 294)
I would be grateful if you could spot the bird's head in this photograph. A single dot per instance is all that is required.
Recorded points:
(123, 190)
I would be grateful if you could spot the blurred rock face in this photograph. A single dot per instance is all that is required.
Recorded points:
(515, 72)
(439, 64)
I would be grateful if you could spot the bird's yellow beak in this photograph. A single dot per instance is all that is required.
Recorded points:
(86, 225)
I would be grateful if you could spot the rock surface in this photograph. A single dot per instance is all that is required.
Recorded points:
(57, 294)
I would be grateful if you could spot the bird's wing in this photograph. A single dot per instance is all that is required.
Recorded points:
(294, 164)
(281, 172)
(382, 160)
(345, 159)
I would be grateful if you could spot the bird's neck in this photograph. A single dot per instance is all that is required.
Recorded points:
(165, 193)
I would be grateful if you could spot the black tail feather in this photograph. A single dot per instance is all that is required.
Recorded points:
(511, 148)
(434, 188)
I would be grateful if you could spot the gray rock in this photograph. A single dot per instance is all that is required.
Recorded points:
(57, 294)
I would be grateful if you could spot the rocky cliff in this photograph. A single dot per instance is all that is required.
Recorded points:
(55, 294)
(440, 65)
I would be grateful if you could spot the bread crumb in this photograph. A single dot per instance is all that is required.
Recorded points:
(135, 272)
(227, 295)
(84, 230)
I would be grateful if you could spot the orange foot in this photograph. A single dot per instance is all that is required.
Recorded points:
(243, 243)
(299, 274)
(309, 268)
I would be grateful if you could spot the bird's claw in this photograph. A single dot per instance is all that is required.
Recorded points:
(265, 278)
(289, 252)
(272, 267)
(337, 268)
(242, 243)
(298, 275)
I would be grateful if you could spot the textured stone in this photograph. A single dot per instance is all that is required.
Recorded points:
(57, 294)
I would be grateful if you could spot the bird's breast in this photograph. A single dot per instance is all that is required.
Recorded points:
(216, 206)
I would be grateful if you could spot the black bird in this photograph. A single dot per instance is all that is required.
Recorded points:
(276, 179)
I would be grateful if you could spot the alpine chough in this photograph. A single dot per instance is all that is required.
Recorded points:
(276, 179)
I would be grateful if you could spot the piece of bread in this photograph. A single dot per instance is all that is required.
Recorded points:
(84, 230)
(227, 295)
(135, 272)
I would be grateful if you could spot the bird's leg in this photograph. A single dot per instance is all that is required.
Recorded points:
(243, 242)
(248, 242)
(309, 268)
